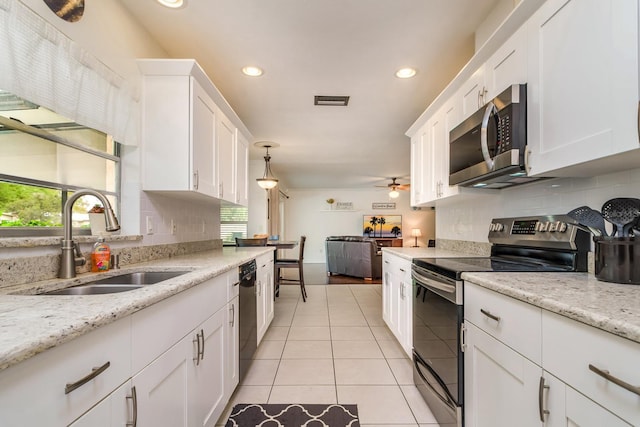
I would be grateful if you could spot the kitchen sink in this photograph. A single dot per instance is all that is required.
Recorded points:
(120, 283)
(140, 278)
(94, 289)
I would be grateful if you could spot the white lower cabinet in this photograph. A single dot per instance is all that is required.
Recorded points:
(500, 384)
(510, 382)
(114, 411)
(264, 293)
(174, 363)
(397, 303)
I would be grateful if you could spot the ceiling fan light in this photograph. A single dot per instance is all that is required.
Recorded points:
(394, 194)
(173, 4)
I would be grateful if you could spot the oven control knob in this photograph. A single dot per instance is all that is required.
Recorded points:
(561, 227)
(553, 226)
(543, 226)
(499, 226)
(492, 227)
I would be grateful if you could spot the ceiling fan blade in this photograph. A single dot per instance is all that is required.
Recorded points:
(403, 187)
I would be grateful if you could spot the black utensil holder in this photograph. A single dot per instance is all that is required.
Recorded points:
(614, 259)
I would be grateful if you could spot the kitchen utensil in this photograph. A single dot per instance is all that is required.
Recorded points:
(614, 259)
(622, 213)
(590, 218)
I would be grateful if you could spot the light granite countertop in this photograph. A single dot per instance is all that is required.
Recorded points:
(31, 324)
(611, 307)
(420, 252)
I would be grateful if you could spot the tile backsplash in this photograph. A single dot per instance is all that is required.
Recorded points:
(468, 218)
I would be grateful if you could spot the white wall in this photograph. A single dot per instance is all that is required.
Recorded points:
(499, 13)
(470, 219)
(307, 213)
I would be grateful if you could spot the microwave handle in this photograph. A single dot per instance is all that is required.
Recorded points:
(484, 131)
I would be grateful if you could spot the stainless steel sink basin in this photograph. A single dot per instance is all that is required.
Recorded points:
(140, 278)
(121, 283)
(93, 289)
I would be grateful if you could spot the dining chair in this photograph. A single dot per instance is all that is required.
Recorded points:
(292, 263)
(240, 242)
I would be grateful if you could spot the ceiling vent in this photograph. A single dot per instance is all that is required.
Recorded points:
(336, 101)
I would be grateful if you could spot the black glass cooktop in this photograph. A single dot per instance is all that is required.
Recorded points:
(453, 267)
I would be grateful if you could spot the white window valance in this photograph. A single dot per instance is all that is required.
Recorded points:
(44, 66)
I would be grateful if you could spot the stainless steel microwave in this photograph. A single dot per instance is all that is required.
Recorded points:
(489, 148)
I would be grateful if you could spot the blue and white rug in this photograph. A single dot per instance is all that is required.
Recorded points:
(293, 415)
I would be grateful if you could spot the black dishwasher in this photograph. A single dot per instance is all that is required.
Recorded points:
(247, 315)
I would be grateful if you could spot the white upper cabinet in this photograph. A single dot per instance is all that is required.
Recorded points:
(241, 187)
(225, 156)
(583, 86)
(189, 133)
(507, 66)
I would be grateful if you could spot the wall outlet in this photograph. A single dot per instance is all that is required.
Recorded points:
(204, 229)
(174, 227)
(149, 225)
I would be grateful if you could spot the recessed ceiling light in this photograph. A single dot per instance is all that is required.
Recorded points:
(173, 4)
(406, 73)
(252, 71)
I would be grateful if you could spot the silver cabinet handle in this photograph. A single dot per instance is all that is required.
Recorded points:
(233, 315)
(617, 381)
(196, 180)
(463, 345)
(222, 189)
(68, 388)
(134, 406)
(541, 389)
(489, 315)
(402, 290)
(196, 340)
(202, 336)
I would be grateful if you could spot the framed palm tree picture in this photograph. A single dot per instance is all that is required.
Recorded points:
(382, 226)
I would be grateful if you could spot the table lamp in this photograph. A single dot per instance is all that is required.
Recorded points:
(415, 232)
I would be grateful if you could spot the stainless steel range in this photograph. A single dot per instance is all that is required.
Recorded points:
(551, 243)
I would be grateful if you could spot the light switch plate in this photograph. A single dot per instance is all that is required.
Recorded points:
(149, 225)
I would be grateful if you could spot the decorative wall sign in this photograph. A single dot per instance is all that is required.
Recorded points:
(69, 10)
(389, 205)
(344, 206)
(382, 226)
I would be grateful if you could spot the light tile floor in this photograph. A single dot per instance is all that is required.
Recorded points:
(335, 348)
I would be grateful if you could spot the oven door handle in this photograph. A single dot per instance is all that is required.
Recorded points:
(431, 283)
(447, 398)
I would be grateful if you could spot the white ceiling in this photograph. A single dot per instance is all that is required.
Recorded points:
(324, 47)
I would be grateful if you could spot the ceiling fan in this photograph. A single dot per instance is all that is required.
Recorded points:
(394, 187)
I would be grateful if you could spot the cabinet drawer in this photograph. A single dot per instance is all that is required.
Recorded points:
(160, 326)
(515, 323)
(32, 393)
(569, 347)
(232, 280)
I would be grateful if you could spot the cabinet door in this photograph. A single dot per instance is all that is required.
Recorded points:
(264, 294)
(207, 394)
(232, 354)
(568, 408)
(405, 310)
(161, 387)
(114, 411)
(508, 65)
(583, 83)
(386, 289)
(416, 168)
(472, 93)
(203, 132)
(225, 146)
(242, 169)
(501, 386)
(429, 161)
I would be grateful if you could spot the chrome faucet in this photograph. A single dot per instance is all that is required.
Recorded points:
(71, 255)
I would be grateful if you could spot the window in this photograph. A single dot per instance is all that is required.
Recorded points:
(233, 223)
(44, 158)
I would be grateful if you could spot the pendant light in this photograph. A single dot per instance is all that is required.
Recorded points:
(268, 181)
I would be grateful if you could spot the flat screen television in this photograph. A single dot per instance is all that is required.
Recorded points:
(381, 226)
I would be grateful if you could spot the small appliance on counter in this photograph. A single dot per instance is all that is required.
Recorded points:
(614, 253)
